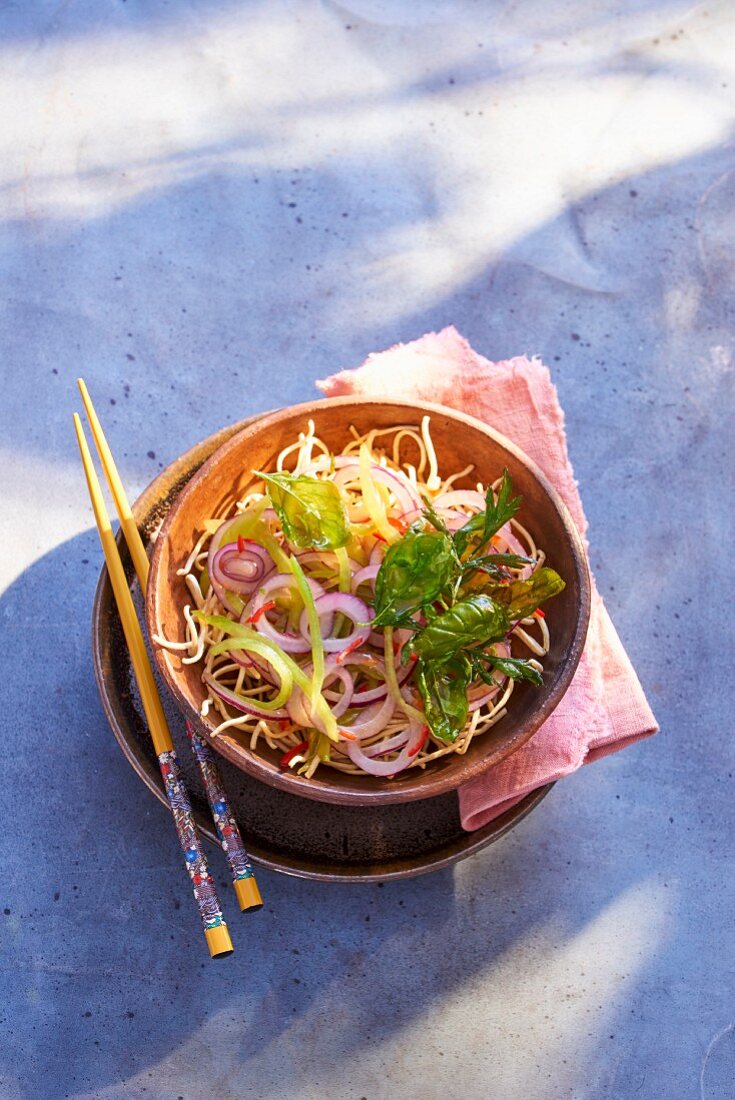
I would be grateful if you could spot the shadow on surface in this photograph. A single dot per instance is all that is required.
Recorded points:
(53, 21)
(107, 933)
(228, 291)
(107, 930)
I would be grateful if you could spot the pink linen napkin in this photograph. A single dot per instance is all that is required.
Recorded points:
(605, 708)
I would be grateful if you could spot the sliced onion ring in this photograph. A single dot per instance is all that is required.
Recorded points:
(298, 707)
(241, 702)
(350, 606)
(406, 496)
(291, 643)
(240, 570)
(510, 544)
(235, 606)
(372, 720)
(388, 744)
(364, 575)
(371, 695)
(384, 768)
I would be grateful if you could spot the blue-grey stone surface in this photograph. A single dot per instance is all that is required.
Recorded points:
(204, 207)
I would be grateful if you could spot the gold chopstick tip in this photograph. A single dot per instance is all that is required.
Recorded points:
(218, 941)
(248, 894)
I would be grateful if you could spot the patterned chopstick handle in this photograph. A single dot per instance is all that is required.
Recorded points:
(224, 819)
(196, 861)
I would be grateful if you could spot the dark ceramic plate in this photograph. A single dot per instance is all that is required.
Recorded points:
(282, 831)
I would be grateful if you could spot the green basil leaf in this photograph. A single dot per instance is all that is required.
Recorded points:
(509, 561)
(480, 672)
(498, 512)
(495, 566)
(485, 524)
(469, 533)
(473, 620)
(521, 598)
(400, 619)
(311, 511)
(443, 688)
(517, 668)
(413, 572)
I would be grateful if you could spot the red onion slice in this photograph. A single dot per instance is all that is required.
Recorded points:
(372, 720)
(388, 767)
(291, 643)
(254, 663)
(350, 606)
(511, 543)
(365, 575)
(508, 543)
(406, 496)
(221, 592)
(298, 706)
(477, 698)
(388, 744)
(241, 570)
(244, 659)
(240, 702)
(470, 498)
(453, 519)
(297, 709)
(372, 695)
(447, 504)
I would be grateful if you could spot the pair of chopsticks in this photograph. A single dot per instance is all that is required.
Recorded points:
(205, 893)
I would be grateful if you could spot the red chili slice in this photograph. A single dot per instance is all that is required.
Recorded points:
(295, 751)
(344, 654)
(268, 606)
(398, 524)
(424, 738)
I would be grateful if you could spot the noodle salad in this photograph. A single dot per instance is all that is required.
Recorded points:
(357, 611)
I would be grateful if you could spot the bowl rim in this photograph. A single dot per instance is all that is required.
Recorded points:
(425, 784)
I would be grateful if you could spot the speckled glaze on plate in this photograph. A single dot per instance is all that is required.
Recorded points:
(286, 833)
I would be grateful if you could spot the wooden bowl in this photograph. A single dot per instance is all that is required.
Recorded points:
(459, 441)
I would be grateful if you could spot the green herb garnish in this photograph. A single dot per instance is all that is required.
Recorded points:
(414, 572)
(480, 529)
(428, 582)
(311, 511)
(474, 620)
(443, 688)
(521, 598)
(516, 668)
